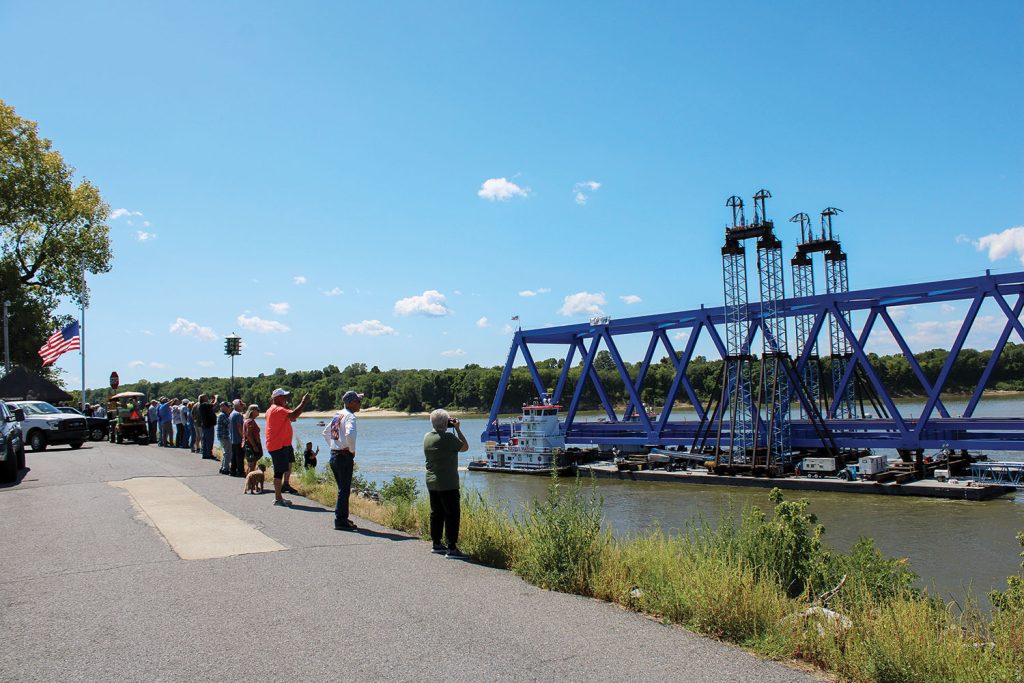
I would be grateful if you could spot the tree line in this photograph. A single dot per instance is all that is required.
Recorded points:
(472, 388)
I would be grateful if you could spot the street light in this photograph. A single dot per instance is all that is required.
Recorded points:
(232, 347)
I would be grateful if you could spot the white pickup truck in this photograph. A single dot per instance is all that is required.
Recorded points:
(45, 425)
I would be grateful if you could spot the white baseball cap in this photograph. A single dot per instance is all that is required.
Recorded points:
(280, 392)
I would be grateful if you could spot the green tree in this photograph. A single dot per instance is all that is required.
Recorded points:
(52, 232)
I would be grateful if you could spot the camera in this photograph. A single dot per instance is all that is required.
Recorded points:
(451, 421)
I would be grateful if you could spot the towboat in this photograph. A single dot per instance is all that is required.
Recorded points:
(536, 445)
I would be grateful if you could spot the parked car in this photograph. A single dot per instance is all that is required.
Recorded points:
(44, 425)
(99, 427)
(12, 446)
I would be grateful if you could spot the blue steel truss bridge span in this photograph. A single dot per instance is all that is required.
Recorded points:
(856, 315)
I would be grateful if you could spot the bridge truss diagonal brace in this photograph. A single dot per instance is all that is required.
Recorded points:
(680, 378)
(954, 352)
(909, 356)
(858, 352)
(642, 375)
(1013, 316)
(840, 389)
(627, 381)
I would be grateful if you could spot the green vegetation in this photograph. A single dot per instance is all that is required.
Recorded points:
(472, 388)
(52, 231)
(761, 579)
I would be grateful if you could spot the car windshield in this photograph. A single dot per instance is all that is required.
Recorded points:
(38, 408)
(70, 410)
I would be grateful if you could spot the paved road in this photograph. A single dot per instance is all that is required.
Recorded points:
(90, 590)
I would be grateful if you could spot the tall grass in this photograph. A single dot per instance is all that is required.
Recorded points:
(762, 579)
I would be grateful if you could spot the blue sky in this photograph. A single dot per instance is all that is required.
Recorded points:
(305, 174)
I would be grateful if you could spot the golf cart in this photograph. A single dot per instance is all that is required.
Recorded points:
(130, 424)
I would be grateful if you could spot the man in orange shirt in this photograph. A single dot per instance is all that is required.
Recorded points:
(279, 441)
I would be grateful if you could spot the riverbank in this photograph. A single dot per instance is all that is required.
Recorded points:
(374, 412)
(765, 582)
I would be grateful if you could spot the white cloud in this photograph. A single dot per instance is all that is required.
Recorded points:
(136, 364)
(268, 353)
(508, 329)
(260, 325)
(581, 190)
(143, 236)
(482, 322)
(631, 299)
(457, 292)
(534, 292)
(501, 190)
(281, 308)
(583, 302)
(299, 279)
(154, 364)
(337, 291)
(1002, 244)
(681, 335)
(187, 328)
(453, 353)
(148, 333)
(205, 363)
(947, 309)
(371, 328)
(961, 239)
(431, 303)
(121, 213)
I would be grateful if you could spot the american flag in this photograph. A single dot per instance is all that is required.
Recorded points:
(515, 317)
(60, 342)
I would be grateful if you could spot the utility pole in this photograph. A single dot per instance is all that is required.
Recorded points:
(232, 347)
(7, 343)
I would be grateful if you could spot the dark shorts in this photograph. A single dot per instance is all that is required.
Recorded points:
(283, 459)
(253, 456)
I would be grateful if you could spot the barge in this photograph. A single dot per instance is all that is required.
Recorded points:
(956, 489)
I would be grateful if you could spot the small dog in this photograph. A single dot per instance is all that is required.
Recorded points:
(254, 480)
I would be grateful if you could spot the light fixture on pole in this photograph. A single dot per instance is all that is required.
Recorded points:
(232, 347)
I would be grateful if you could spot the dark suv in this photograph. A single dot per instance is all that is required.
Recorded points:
(12, 447)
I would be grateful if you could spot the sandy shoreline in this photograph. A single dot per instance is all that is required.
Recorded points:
(380, 412)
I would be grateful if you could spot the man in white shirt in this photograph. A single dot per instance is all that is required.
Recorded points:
(341, 439)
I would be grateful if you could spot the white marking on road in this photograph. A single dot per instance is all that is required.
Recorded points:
(195, 528)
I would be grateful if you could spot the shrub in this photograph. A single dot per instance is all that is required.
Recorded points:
(562, 539)
(399, 489)
(486, 532)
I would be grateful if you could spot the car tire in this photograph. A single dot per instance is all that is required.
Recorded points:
(76, 445)
(37, 441)
(96, 434)
(9, 468)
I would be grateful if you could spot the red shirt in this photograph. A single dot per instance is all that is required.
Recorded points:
(279, 427)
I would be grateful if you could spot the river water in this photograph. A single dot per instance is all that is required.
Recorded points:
(950, 544)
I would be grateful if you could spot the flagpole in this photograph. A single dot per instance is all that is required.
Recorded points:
(82, 332)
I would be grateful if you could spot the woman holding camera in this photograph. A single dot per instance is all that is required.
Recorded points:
(441, 450)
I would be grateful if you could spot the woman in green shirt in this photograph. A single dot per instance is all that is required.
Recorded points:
(441, 450)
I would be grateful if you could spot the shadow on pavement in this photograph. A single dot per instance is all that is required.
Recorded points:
(309, 508)
(22, 473)
(382, 534)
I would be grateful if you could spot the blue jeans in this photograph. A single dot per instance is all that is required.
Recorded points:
(166, 434)
(342, 465)
(208, 441)
(190, 435)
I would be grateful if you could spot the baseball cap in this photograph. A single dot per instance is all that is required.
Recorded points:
(280, 392)
(351, 396)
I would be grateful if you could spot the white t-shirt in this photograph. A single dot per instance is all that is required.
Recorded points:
(176, 415)
(340, 432)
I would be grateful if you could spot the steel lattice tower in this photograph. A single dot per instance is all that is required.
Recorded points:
(803, 285)
(743, 438)
(774, 337)
(837, 281)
